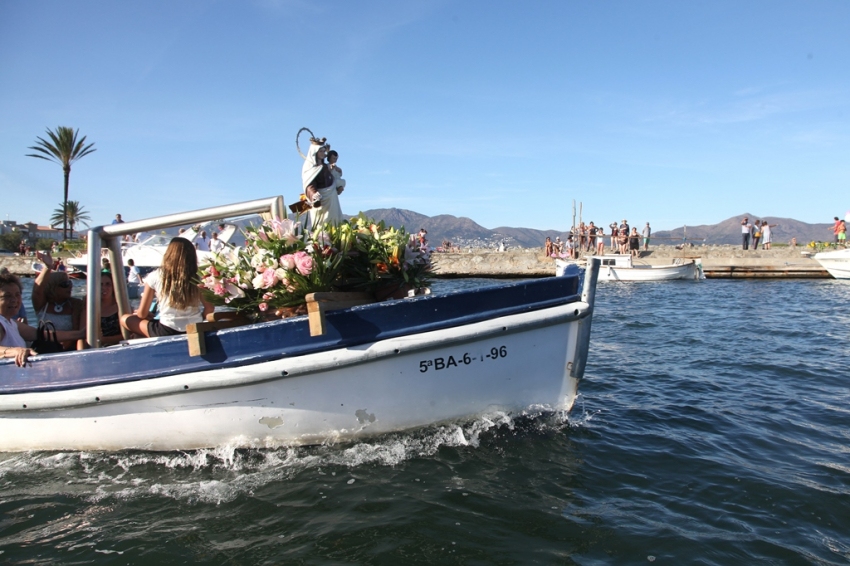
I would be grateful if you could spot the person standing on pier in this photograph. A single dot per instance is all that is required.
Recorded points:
(591, 237)
(756, 234)
(765, 234)
(746, 228)
(647, 232)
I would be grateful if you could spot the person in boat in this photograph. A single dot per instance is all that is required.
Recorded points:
(134, 277)
(14, 333)
(202, 243)
(52, 300)
(22, 310)
(110, 326)
(175, 286)
(216, 245)
(549, 248)
(615, 235)
(320, 186)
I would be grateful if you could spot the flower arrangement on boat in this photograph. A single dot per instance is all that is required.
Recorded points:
(282, 262)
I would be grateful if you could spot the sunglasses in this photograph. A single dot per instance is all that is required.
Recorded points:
(65, 284)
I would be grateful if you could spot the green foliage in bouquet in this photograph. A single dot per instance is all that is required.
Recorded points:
(382, 257)
(281, 263)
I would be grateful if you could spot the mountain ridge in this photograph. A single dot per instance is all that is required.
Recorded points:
(465, 232)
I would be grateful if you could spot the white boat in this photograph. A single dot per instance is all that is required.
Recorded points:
(621, 267)
(377, 368)
(133, 290)
(837, 263)
(147, 254)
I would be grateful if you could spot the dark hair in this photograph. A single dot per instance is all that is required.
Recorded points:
(8, 278)
(333, 153)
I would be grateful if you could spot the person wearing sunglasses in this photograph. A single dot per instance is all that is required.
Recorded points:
(52, 300)
(14, 333)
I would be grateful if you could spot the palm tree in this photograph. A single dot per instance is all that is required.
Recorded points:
(72, 213)
(64, 150)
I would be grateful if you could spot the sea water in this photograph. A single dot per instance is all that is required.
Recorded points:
(712, 427)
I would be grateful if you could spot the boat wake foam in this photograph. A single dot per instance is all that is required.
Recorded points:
(222, 474)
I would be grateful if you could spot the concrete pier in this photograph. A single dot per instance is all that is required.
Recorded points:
(719, 262)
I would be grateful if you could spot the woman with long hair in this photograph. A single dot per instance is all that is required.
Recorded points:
(175, 286)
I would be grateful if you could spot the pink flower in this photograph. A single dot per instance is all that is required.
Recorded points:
(303, 263)
(284, 228)
(233, 291)
(219, 289)
(269, 278)
(264, 307)
(288, 261)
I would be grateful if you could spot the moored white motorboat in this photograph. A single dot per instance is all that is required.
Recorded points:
(836, 262)
(621, 267)
(133, 290)
(147, 254)
(378, 368)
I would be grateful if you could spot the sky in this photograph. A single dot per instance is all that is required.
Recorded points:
(669, 112)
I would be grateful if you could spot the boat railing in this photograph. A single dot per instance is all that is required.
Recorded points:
(111, 236)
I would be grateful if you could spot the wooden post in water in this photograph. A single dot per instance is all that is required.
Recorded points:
(574, 217)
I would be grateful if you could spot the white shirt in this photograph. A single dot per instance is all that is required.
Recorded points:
(11, 337)
(216, 245)
(203, 244)
(169, 316)
(135, 276)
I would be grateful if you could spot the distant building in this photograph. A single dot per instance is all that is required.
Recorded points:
(30, 231)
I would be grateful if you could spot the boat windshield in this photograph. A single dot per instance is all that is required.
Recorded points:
(156, 240)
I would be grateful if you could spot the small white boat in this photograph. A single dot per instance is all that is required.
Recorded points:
(517, 348)
(837, 263)
(621, 267)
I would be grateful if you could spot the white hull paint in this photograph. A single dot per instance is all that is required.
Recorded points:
(837, 263)
(508, 364)
(649, 272)
(621, 268)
